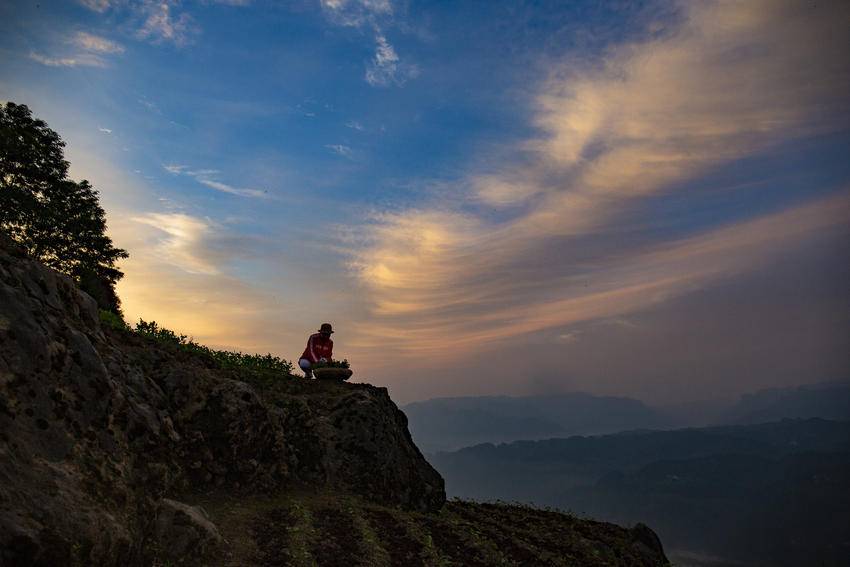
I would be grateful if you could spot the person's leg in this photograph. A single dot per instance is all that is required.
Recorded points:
(305, 366)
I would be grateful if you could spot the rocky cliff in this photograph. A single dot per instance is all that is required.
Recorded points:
(109, 441)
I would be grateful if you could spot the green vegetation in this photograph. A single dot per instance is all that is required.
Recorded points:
(113, 320)
(256, 363)
(257, 366)
(298, 528)
(56, 220)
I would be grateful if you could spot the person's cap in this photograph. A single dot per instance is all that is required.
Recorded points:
(326, 328)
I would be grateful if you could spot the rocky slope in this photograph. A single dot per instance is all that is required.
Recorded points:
(299, 529)
(108, 439)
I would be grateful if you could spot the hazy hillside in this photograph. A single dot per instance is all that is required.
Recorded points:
(442, 424)
(829, 400)
(733, 491)
(447, 424)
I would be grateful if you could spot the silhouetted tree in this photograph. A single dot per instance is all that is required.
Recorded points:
(57, 220)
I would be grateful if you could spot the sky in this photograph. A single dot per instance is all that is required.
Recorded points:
(647, 199)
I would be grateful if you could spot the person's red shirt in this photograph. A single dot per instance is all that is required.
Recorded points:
(318, 347)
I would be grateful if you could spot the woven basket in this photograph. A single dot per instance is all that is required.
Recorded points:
(333, 373)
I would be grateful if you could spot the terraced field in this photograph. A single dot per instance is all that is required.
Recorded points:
(333, 530)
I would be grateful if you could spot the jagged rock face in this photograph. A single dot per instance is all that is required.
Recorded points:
(335, 435)
(97, 426)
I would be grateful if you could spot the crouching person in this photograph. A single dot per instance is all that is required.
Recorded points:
(319, 349)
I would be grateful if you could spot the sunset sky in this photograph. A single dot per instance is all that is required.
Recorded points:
(648, 199)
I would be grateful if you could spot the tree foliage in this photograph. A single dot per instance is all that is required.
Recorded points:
(57, 220)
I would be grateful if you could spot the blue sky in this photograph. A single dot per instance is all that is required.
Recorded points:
(640, 198)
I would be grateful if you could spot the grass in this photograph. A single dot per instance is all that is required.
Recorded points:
(300, 527)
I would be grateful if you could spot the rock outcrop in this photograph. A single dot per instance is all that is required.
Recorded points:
(98, 425)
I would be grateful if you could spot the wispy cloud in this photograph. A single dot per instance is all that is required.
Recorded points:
(96, 43)
(183, 240)
(105, 130)
(97, 5)
(150, 105)
(731, 80)
(225, 188)
(79, 60)
(206, 177)
(90, 51)
(339, 149)
(163, 24)
(356, 13)
(386, 68)
(418, 318)
(158, 21)
(354, 125)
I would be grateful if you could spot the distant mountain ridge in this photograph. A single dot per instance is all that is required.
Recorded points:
(827, 400)
(448, 424)
(442, 424)
(766, 494)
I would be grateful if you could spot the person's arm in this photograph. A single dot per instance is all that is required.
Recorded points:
(311, 346)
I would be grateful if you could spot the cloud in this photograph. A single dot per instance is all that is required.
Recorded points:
(179, 273)
(503, 190)
(162, 24)
(80, 60)
(91, 48)
(150, 105)
(425, 304)
(732, 79)
(96, 43)
(386, 68)
(156, 20)
(104, 130)
(97, 5)
(339, 149)
(205, 177)
(356, 13)
(354, 125)
(181, 240)
(225, 188)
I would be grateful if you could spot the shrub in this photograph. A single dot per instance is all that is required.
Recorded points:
(113, 320)
(224, 358)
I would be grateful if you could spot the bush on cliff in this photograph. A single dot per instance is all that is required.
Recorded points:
(223, 358)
